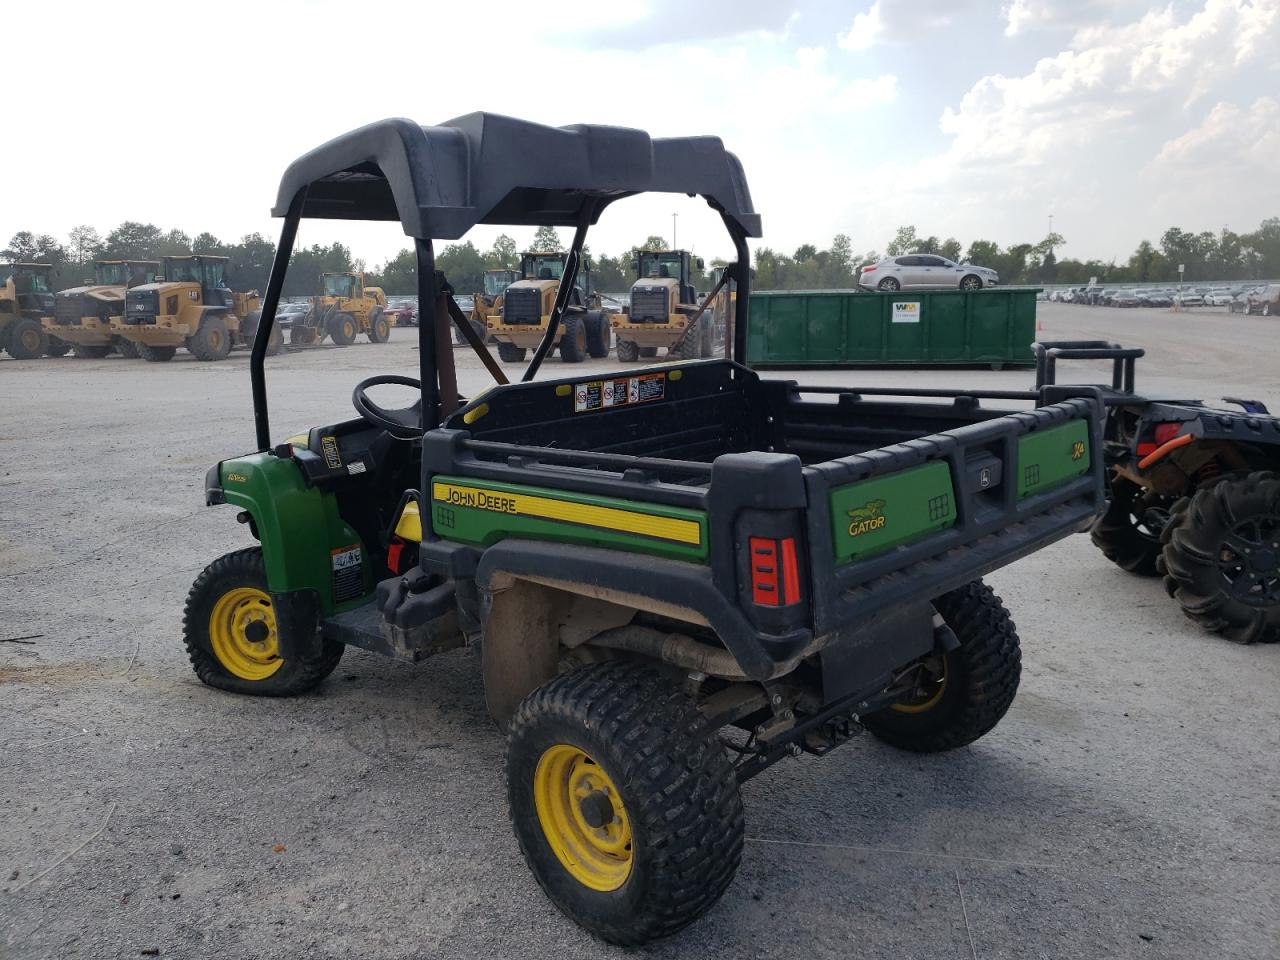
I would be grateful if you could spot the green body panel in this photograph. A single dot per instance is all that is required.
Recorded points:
(1049, 458)
(848, 328)
(873, 516)
(501, 517)
(299, 527)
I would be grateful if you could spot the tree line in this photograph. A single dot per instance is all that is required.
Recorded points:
(1226, 255)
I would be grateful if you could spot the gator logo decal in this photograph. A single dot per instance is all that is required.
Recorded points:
(237, 478)
(1077, 450)
(870, 516)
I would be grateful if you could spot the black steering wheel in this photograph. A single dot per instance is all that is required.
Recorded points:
(405, 423)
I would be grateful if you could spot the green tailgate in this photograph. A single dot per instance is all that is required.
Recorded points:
(873, 516)
(483, 512)
(1049, 458)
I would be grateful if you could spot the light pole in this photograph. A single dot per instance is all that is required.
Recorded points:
(1051, 224)
(674, 244)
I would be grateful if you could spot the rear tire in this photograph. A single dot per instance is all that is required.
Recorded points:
(970, 688)
(628, 350)
(90, 352)
(510, 353)
(889, 285)
(212, 341)
(126, 348)
(690, 345)
(1128, 534)
(379, 326)
(343, 329)
(156, 354)
(597, 334)
(58, 347)
(227, 603)
(665, 794)
(27, 339)
(1221, 557)
(573, 339)
(648, 351)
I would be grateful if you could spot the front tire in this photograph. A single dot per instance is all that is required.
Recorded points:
(343, 329)
(597, 335)
(628, 350)
(58, 347)
(573, 340)
(27, 339)
(510, 353)
(126, 348)
(690, 345)
(970, 282)
(1221, 558)
(623, 801)
(1128, 534)
(960, 695)
(229, 628)
(379, 326)
(86, 351)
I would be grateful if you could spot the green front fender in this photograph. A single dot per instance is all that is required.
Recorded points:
(305, 542)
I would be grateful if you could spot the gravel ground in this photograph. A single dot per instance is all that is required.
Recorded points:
(1128, 806)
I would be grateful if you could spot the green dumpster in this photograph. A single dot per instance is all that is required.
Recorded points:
(846, 328)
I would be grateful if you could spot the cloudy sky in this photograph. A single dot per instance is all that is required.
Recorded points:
(968, 119)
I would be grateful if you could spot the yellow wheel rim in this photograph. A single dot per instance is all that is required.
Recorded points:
(30, 340)
(583, 818)
(242, 632)
(927, 695)
(348, 329)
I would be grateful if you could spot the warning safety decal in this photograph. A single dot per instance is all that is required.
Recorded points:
(618, 392)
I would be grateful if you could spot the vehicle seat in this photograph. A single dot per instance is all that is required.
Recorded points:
(545, 274)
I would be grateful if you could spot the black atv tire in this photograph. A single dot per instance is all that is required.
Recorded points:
(343, 329)
(510, 353)
(59, 348)
(979, 679)
(1130, 540)
(86, 351)
(156, 354)
(27, 339)
(126, 348)
(245, 570)
(573, 338)
(212, 341)
(1232, 592)
(643, 736)
(597, 325)
(379, 326)
(628, 350)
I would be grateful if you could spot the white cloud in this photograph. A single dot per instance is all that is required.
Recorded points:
(866, 30)
(1239, 145)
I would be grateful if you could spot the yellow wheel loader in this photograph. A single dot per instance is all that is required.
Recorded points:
(191, 307)
(664, 312)
(82, 315)
(526, 311)
(25, 298)
(344, 309)
(488, 303)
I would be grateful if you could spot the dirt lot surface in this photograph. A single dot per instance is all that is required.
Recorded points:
(1128, 806)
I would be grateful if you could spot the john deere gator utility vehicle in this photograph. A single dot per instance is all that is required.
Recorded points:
(192, 307)
(526, 312)
(664, 312)
(344, 309)
(488, 302)
(82, 315)
(1194, 495)
(677, 575)
(26, 298)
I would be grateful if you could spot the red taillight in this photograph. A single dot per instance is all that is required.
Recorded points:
(775, 572)
(868, 269)
(1167, 431)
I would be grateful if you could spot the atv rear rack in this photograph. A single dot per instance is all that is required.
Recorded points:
(1122, 367)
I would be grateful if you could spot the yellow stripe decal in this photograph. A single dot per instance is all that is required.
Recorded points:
(585, 514)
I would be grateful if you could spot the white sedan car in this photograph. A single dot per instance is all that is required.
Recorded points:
(923, 271)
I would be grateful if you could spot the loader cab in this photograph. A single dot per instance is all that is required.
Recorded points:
(656, 266)
(496, 281)
(28, 289)
(124, 273)
(207, 272)
(342, 286)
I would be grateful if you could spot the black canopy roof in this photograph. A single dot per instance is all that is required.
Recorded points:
(486, 168)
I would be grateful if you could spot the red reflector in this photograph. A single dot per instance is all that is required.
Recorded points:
(764, 571)
(790, 573)
(1145, 448)
(393, 554)
(1167, 431)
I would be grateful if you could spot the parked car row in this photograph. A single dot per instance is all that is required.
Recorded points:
(1261, 299)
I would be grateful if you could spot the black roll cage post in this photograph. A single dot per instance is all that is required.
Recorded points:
(427, 292)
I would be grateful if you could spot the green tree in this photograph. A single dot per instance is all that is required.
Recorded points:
(504, 254)
(84, 245)
(400, 274)
(904, 241)
(306, 266)
(207, 243)
(547, 239)
(463, 265)
(804, 252)
(133, 241)
(251, 259)
(950, 249)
